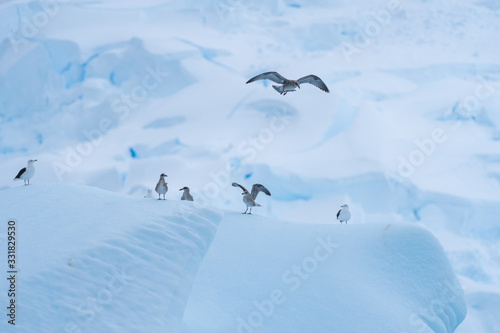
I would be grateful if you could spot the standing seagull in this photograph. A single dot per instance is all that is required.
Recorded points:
(149, 195)
(249, 198)
(290, 85)
(344, 214)
(161, 187)
(186, 195)
(26, 173)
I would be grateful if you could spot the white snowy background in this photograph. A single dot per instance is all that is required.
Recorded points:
(110, 94)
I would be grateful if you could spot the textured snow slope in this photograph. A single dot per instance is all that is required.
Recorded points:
(263, 275)
(113, 93)
(96, 261)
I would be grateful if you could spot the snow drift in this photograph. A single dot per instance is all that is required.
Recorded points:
(263, 275)
(95, 261)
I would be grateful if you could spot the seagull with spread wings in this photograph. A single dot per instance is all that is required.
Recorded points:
(249, 198)
(290, 85)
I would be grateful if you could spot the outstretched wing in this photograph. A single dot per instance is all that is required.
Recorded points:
(273, 76)
(238, 185)
(23, 170)
(256, 188)
(315, 81)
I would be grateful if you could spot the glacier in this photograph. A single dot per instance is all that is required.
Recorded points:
(90, 260)
(95, 261)
(110, 94)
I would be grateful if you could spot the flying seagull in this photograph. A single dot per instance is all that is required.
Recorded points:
(290, 85)
(161, 187)
(26, 173)
(249, 198)
(344, 214)
(186, 195)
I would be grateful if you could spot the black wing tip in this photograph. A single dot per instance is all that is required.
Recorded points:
(20, 173)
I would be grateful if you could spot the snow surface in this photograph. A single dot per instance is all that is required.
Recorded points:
(263, 275)
(112, 93)
(89, 260)
(97, 261)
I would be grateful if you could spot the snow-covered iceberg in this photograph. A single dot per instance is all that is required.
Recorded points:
(88, 260)
(263, 275)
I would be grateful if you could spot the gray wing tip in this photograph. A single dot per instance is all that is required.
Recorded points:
(235, 184)
(318, 82)
(262, 76)
(262, 188)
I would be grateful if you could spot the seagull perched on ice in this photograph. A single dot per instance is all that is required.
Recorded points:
(344, 214)
(161, 187)
(149, 195)
(249, 198)
(186, 195)
(26, 173)
(290, 85)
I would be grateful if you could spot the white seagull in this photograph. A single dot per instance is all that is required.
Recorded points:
(161, 187)
(344, 214)
(290, 85)
(186, 195)
(249, 198)
(26, 173)
(149, 195)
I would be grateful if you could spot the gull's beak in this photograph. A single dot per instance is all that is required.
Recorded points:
(35, 160)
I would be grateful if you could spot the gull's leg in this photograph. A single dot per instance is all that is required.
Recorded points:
(245, 211)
